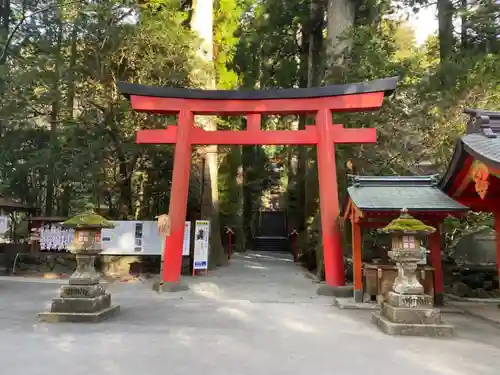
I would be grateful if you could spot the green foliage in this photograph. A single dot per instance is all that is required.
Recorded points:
(270, 61)
(61, 104)
(227, 15)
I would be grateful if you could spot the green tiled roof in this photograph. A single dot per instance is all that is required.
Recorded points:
(392, 193)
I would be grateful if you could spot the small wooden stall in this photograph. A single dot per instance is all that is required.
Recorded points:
(9, 248)
(10, 207)
(373, 201)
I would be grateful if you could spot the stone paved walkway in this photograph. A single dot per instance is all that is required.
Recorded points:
(258, 316)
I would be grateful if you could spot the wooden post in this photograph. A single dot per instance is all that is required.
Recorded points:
(172, 253)
(497, 232)
(329, 201)
(229, 232)
(293, 240)
(435, 248)
(357, 265)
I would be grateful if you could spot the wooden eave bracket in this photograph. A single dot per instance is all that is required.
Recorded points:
(353, 213)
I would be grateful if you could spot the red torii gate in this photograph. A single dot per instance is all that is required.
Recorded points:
(320, 101)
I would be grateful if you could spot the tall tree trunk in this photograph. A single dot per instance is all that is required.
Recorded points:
(446, 40)
(70, 113)
(315, 74)
(297, 179)
(295, 184)
(202, 24)
(4, 20)
(340, 18)
(240, 222)
(252, 190)
(4, 29)
(54, 118)
(463, 26)
(126, 163)
(125, 187)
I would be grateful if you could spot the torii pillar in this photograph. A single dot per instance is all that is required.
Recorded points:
(321, 102)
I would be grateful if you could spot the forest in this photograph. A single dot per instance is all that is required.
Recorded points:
(68, 138)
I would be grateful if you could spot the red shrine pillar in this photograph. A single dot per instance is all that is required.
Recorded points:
(329, 200)
(435, 248)
(172, 253)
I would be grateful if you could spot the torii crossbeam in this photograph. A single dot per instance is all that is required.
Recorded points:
(321, 102)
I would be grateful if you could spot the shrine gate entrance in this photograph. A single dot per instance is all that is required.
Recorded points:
(319, 101)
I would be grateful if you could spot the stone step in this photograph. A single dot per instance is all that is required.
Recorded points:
(81, 305)
(429, 330)
(408, 315)
(96, 317)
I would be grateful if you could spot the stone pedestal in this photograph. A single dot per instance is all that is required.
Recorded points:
(164, 287)
(80, 303)
(335, 291)
(411, 315)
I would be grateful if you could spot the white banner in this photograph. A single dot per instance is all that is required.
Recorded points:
(55, 238)
(187, 239)
(201, 237)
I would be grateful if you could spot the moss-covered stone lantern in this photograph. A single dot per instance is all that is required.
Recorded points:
(408, 311)
(84, 299)
(86, 245)
(406, 250)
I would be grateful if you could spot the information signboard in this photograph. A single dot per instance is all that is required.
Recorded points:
(138, 238)
(201, 244)
(131, 238)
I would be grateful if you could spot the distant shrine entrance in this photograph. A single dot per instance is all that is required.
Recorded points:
(324, 134)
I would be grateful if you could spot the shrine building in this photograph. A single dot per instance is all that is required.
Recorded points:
(473, 176)
(373, 201)
(471, 182)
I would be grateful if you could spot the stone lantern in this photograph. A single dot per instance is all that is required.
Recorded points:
(408, 311)
(84, 299)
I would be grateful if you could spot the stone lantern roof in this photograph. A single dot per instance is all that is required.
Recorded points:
(88, 220)
(407, 224)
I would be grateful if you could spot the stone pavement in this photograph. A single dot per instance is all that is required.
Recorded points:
(258, 316)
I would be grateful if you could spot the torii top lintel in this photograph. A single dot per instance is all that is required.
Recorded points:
(362, 96)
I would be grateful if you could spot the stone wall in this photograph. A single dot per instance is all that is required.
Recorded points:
(473, 272)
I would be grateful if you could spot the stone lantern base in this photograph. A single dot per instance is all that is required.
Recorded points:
(80, 303)
(411, 315)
